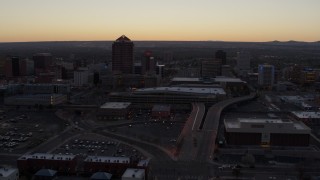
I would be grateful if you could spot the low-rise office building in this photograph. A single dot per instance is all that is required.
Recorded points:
(114, 111)
(161, 111)
(62, 163)
(37, 99)
(114, 165)
(274, 132)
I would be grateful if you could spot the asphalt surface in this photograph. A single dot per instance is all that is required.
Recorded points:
(189, 132)
(209, 131)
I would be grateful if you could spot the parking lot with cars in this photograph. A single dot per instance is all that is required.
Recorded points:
(22, 130)
(93, 145)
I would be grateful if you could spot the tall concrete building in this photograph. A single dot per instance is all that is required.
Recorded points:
(266, 75)
(148, 63)
(12, 66)
(81, 77)
(243, 63)
(211, 68)
(222, 56)
(122, 55)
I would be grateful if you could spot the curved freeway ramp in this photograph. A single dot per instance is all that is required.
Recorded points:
(207, 136)
(188, 150)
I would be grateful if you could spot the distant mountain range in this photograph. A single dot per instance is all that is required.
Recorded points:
(292, 42)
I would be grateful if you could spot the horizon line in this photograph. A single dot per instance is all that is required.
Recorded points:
(3, 42)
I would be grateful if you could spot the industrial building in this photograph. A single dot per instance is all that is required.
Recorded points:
(274, 132)
(114, 111)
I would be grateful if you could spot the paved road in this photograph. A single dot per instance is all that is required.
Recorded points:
(189, 132)
(209, 132)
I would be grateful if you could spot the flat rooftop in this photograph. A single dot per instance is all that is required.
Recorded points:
(48, 156)
(115, 105)
(216, 79)
(306, 114)
(195, 90)
(108, 159)
(228, 79)
(293, 98)
(134, 173)
(254, 125)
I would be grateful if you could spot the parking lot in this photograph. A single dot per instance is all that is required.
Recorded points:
(163, 133)
(23, 130)
(88, 145)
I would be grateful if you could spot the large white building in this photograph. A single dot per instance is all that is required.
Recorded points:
(266, 75)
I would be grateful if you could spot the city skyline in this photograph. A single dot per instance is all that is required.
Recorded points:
(175, 20)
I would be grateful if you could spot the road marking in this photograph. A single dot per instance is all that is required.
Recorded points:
(194, 121)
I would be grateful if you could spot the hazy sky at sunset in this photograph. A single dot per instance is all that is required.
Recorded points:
(227, 20)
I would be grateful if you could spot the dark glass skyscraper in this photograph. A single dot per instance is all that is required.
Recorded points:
(42, 60)
(222, 56)
(122, 55)
(15, 66)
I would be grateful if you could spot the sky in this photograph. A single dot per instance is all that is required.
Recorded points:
(188, 20)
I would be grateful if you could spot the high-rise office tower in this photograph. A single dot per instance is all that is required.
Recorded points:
(42, 61)
(12, 67)
(222, 56)
(122, 55)
(266, 75)
(211, 68)
(148, 63)
(243, 61)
